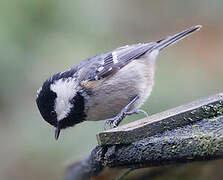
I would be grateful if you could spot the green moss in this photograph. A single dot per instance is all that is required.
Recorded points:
(206, 108)
(218, 108)
(207, 145)
(213, 119)
(213, 110)
(202, 134)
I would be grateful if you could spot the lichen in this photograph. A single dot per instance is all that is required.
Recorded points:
(206, 146)
(218, 108)
(206, 108)
(193, 112)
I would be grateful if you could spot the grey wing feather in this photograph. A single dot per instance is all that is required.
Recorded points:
(103, 65)
(120, 57)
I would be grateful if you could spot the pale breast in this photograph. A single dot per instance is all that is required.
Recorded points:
(117, 91)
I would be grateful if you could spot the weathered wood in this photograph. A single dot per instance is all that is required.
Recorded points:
(87, 168)
(200, 141)
(192, 132)
(195, 142)
(167, 120)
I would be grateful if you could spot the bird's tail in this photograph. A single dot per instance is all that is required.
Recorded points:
(172, 39)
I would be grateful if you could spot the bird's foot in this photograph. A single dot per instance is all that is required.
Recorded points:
(115, 121)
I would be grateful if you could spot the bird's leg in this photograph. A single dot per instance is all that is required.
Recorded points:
(115, 121)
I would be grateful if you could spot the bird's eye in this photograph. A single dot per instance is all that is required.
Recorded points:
(53, 114)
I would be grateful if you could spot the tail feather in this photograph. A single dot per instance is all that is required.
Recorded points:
(172, 39)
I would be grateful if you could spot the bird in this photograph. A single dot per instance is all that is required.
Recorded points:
(108, 86)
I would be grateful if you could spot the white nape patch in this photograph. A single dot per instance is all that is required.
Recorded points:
(65, 90)
(153, 55)
(115, 57)
(38, 91)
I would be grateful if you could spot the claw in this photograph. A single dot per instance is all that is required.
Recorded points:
(115, 121)
(109, 122)
(144, 112)
(106, 122)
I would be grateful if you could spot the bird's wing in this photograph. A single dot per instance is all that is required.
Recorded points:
(120, 57)
(101, 66)
(111, 62)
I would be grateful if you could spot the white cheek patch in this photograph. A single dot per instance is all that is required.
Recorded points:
(65, 90)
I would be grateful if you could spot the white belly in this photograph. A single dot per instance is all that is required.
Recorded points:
(116, 92)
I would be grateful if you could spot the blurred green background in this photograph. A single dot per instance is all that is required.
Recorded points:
(41, 37)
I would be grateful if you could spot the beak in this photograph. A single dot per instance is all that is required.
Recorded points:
(57, 132)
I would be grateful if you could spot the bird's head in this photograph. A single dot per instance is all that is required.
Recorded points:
(60, 102)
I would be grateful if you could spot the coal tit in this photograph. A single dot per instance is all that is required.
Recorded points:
(107, 87)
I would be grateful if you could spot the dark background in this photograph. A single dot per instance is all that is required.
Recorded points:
(42, 37)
